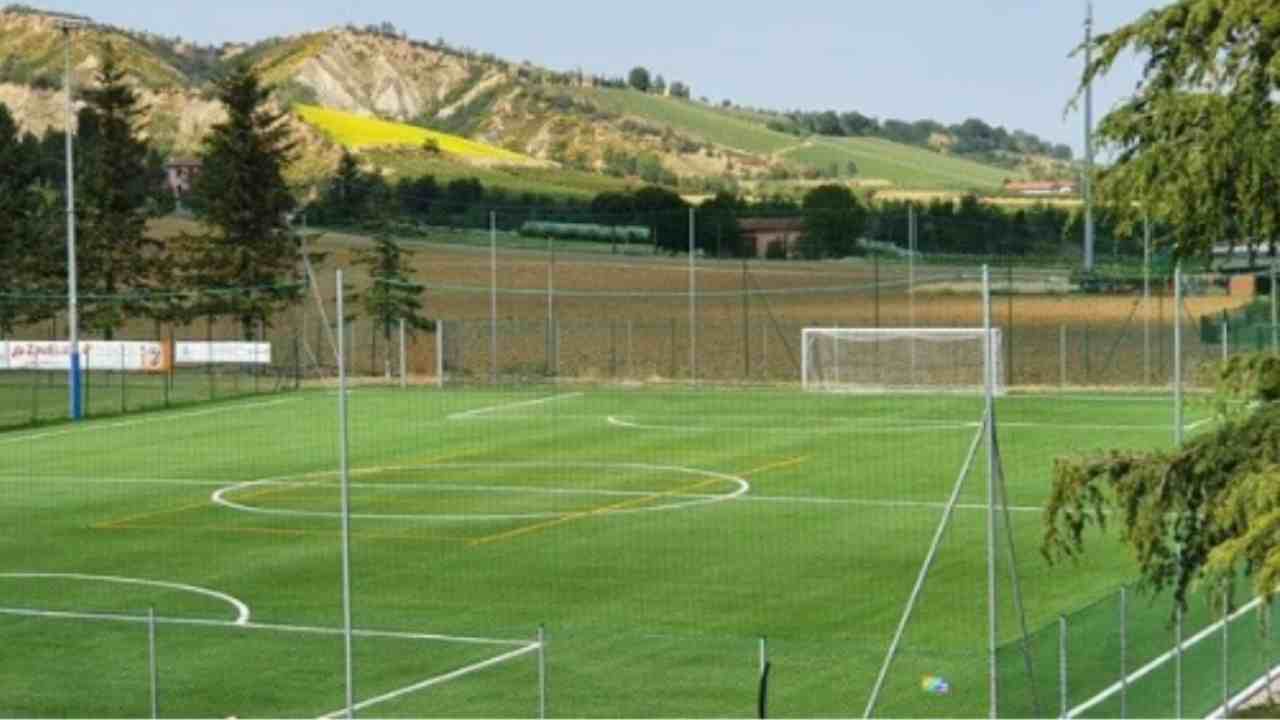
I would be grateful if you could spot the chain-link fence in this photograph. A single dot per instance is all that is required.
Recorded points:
(591, 486)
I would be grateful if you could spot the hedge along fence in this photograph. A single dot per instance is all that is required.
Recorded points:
(587, 231)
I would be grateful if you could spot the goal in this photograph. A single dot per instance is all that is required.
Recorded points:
(899, 359)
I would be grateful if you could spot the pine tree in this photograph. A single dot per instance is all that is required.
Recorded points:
(118, 262)
(32, 257)
(245, 202)
(393, 294)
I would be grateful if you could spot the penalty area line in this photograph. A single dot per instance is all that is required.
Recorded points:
(437, 680)
(261, 626)
(507, 406)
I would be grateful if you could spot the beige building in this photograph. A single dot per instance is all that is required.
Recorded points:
(760, 233)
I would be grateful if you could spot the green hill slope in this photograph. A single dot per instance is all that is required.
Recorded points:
(903, 165)
(900, 165)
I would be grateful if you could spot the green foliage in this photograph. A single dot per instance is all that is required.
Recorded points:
(1204, 512)
(244, 198)
(638, 79)
(1197, 145)
(30, 224)
(353, 195)
(585, 231)
(833, 223)
(116, 185)
(393, 295)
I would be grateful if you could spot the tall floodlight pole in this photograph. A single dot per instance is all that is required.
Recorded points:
(693, 299)
(67, 23)
(1086, 185)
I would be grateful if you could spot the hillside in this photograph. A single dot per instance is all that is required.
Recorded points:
(592, 132)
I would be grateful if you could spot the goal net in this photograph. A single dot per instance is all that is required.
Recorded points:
(898, 360)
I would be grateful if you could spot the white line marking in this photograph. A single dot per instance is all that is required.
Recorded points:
(149, 418)
(915, 426)
(1198, 423)
(809, 500)
(1015, 395)
(438, 679)
(272, 627)
(219, 496)
(618, 421)
(1089, 426)
(242, 610)
(1244, 695)
(505, 406)
(1145, 670)
(515, 489)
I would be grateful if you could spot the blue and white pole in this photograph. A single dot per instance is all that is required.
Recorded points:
(68, 23)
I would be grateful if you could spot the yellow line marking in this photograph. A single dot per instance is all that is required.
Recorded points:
(108, 524)
(571, 517)
(774, 466)
(563, 519)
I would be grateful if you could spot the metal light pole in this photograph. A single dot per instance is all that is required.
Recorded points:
(67, 23)
(1087, 185)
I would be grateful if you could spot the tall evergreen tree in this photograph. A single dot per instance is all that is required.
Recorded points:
(32, 225)
(17, 201)
(393, 293)
(118, 262)
(245, 202)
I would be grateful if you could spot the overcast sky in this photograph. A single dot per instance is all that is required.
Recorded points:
(1005, 61)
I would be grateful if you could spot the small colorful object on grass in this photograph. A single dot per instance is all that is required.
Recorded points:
(935, 685)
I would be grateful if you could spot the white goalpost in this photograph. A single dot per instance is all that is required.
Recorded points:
(898, 360)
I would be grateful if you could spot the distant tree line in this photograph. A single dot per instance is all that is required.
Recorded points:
(971, 137)
(834, 218)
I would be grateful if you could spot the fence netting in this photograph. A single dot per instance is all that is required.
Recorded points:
(588, 481)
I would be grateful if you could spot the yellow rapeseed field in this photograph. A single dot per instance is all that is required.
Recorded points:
(356, 132)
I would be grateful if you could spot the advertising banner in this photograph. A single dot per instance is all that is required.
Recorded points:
(129, 356)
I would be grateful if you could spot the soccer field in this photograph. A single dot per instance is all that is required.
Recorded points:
(662, 538)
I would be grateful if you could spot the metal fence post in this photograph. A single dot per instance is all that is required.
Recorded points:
(1062, 666)
(1177, 355)
(493, 298)
(1226, 342)
(345, 478)
(613, 349)
(1146, 300)
(152, 665)
(542, 672)
(1177, 664)
(439, 348)
(124, 386)
(404, 367)
(693, 302)
(35, 390)
(1268, 620)
(1124, 651)
(988, 381)
(673, 349)
(1275, 309)
(1062, 356)
(764, 349)
(1226, 655)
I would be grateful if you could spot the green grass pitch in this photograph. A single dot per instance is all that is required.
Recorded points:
(656, 535)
